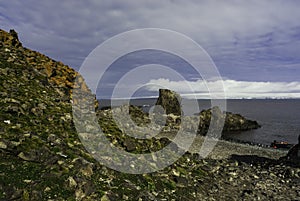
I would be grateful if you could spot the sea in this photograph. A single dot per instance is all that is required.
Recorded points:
(279, 118)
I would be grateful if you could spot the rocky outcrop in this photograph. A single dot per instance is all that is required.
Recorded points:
(60, 76)
(233, 122)
(10, 39)
(170, 101)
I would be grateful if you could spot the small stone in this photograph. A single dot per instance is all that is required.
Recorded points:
(60, 162)
(22, 156)
(7, 121)
(27, 181)
(175, 173)
(47, 189)
(72, 182)
(3, 145)
(104, 198)
(87, 170)
(70, 145)
(14, 143)
(79, 194)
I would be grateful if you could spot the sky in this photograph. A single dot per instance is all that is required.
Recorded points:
(254, 44)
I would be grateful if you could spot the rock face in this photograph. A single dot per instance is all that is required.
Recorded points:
(170, 101)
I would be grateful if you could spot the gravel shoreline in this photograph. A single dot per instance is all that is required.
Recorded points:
(224, 149)
(246, 172)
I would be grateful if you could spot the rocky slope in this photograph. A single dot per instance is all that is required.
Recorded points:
(42, 158)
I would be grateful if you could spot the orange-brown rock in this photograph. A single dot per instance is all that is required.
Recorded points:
(58, 74)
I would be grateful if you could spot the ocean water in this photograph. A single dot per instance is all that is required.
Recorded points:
(280, 119)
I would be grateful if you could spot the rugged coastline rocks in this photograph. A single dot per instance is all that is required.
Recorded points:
(170, 101)
(233, 122)
(42, 157)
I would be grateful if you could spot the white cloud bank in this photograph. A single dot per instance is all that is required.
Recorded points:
(233, 89)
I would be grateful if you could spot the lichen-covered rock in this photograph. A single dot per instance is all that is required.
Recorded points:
(170, 101)
(56, 73)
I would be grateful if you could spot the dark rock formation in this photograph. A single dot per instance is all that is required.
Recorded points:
(294, 153)
(236, 122)
(170, 101)
(10, 39)
(233, 122)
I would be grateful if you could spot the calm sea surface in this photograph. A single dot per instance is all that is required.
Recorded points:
(280, 119)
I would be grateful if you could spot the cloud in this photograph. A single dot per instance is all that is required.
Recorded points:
(248, 40)
(233, 89)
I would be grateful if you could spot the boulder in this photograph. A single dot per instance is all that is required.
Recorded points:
(294, 153)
